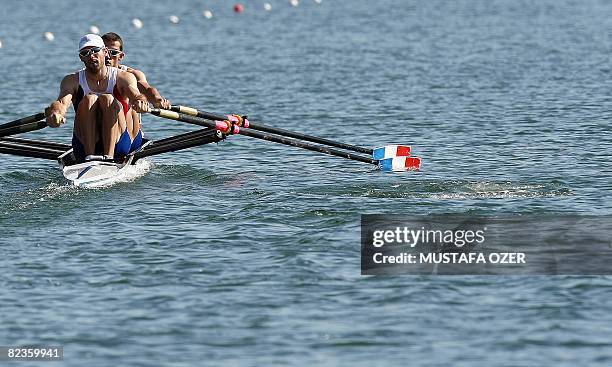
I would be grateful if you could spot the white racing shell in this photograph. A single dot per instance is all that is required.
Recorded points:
(97, 173)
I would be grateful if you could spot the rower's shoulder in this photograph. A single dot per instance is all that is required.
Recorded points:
(137, 73)
(71, 79)
(125, 75)
(74, 75)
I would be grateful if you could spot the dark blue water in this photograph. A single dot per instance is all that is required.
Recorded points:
(247, 253)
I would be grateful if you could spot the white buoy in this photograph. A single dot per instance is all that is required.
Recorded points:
(318, 1)
(95, 30)
(295, 2)
(0, 44)
(268, 6)
(207, 14)
(49, 36)
(137, 23)
(174, 19)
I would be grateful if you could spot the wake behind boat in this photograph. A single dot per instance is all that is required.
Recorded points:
(215, 128)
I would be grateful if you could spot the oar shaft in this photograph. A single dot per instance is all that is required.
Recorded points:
(274, 130)
(305, 137)
(304, 145)
(42, 149)
(27, 152)
(264, 136)
(23, 128)
(25, 120)
(38, 143)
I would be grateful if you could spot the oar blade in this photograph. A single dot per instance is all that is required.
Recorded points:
(391, 151)
(400, 164)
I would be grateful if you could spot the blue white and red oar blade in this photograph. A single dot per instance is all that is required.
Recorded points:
(390, 151)
(400, 164)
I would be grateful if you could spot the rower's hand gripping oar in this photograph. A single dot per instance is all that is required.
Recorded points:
(23, 125)
(391, 157)
(233, 127)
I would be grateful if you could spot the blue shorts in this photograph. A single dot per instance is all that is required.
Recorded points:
(122, 148)
(137, 142)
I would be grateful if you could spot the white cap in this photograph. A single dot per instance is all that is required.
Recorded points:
(90, 40)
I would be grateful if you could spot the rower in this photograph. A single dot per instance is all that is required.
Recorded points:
(102, 96)
(114, 44)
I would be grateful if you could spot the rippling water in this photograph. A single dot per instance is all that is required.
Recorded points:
(247, 253)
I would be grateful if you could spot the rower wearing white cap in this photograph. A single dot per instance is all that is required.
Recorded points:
(102, 96)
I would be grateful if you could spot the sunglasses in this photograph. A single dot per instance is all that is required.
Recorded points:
(89, 51)
(114, 53)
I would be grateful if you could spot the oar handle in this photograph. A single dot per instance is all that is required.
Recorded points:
(222, 125)
(197, 113)
(274, 130)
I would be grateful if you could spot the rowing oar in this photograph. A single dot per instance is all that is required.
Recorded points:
(228, 127)
(391, 157)
(23, 125)
(269, 129)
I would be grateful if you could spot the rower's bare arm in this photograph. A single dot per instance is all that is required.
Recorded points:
(129, 87)
(149, 91)
(56, 112)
